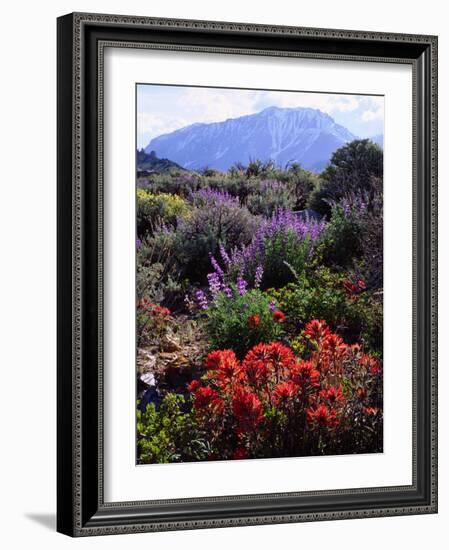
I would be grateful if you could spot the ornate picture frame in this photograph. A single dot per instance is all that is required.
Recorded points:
(81, 507)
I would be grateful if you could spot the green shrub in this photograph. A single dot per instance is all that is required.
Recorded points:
(303, 182)
(198, 237)
(316, 295)
(370, 264)
(181, 184)
(170, 434)
(366, 314)
(241, 321)
(271, 196)
(157, 277)
(154, 209)
(321, 294)
(239, 181)
(354, 168)
(341, 241)
(285, 254)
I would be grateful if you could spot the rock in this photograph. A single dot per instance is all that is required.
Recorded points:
(146, 361)
(148, 378)
(168, 358)
(150, 362)
(170, 343)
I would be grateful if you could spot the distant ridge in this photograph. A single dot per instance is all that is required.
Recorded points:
(150, 162)
(284, 135)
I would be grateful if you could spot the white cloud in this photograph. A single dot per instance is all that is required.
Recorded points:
(327, 103)
(215, 105)
(368, 116)
(373, 114)
(149, 123)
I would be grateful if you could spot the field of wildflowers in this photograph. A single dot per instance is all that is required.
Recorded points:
(259, 311)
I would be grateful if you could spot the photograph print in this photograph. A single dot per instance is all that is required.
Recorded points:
(259, 274)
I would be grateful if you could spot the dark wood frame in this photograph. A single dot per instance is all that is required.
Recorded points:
(81, 507)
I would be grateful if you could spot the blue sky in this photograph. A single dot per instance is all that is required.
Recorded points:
(163, 109)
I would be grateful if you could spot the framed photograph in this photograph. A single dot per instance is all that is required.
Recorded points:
(247, 279)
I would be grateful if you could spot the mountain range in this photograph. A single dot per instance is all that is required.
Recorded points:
(283, 135)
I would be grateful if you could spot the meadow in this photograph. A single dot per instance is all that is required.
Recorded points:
(259, 310)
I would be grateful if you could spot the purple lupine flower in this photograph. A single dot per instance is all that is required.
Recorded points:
(227, 291)
(282, 223)
(238, 261)
(241, 285)
(346, 209)
(224, 255)
(258, 276)
(233, 262)
(212, 196)
(216, 266)
(138, 243)
(354, 203)
(214, 283)
(268, 185)
(249, 260)
(201, 298)
(272, 306)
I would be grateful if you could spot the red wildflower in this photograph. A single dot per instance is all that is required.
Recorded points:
(204, 397)
(278, 317)
(144, 303)
(240, 453)
(371, 364)
(316, 330)
(247, 409)
(254, 321)
(220, 359)
(160, 311)
(153, 309)
(334, 345)
(214, 359)
(333, 395)
(256, 372)
(370, 411)
(375, 368)
(274, 356)
(322, 416)
(193, 386)
(208, 398)
(350, 288)
(224, 367)
(305, 374)
(354, 288)
(284, 391)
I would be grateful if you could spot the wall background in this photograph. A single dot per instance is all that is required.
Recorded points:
(27, 275)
